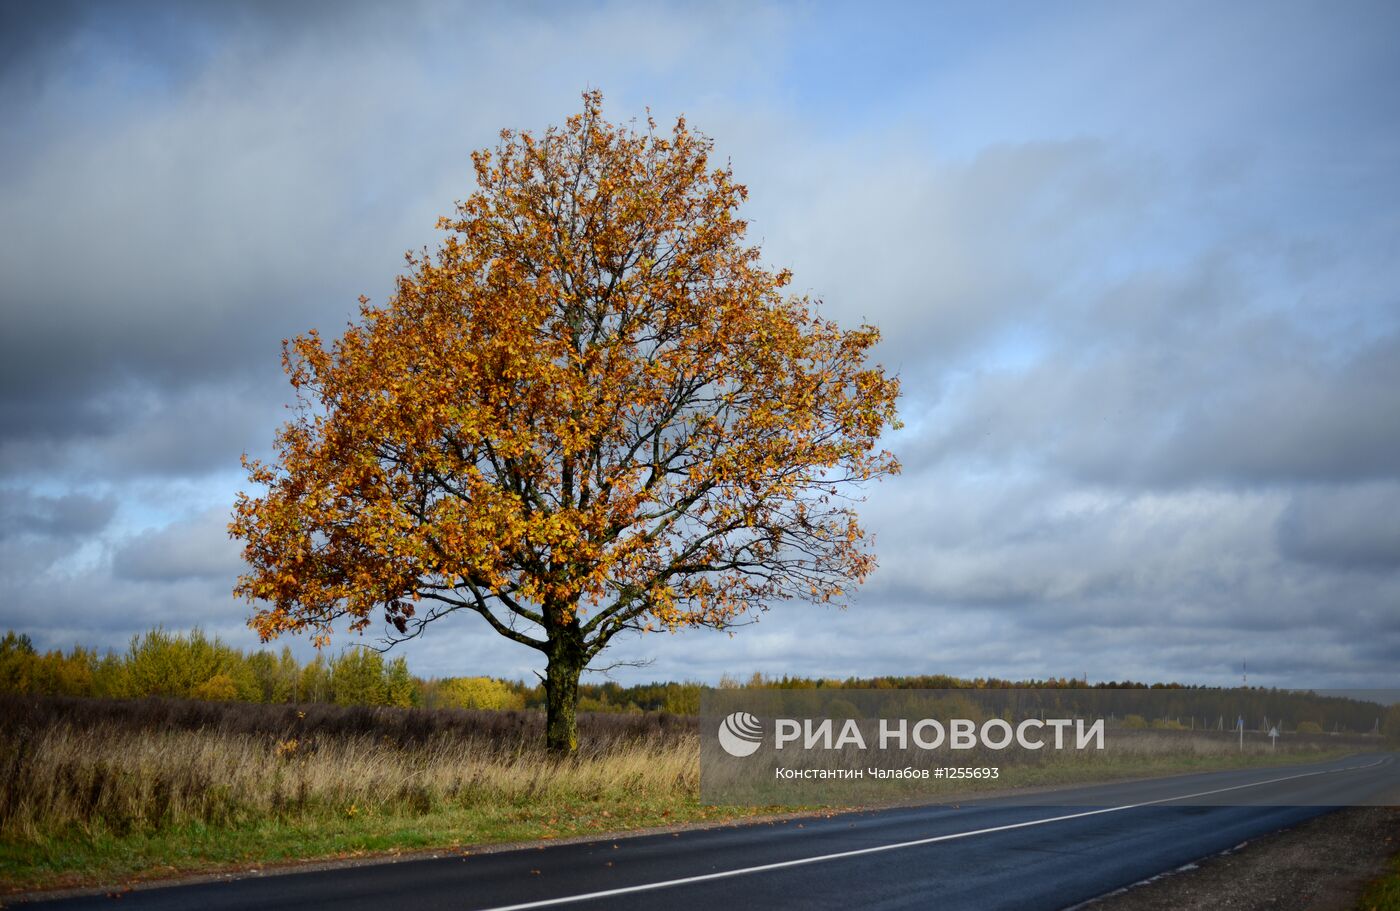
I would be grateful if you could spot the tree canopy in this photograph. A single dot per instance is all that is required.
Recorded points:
(590, 410)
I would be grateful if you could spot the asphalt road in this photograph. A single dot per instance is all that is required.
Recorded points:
(985, 855)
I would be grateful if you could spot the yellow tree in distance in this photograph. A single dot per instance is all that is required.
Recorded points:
(590, 411)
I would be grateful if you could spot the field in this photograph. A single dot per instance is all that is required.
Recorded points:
(101, 791)
(104, 790)
(1128, 754)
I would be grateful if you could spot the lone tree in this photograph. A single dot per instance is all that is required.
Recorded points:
(591, 410)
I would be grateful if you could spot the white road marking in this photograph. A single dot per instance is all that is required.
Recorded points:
(821, 858)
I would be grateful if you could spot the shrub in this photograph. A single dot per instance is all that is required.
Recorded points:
(309, 723)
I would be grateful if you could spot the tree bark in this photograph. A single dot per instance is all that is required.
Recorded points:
(566, 660)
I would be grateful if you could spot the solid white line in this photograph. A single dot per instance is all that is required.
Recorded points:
(744, 871)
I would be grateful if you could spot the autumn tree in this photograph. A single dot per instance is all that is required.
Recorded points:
(400, 689)
(357, 678)
(590, 411)
(477, 693)
(158, 663)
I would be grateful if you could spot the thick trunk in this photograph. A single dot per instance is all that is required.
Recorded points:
(561, 698)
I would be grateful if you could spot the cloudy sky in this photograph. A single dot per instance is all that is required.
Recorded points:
(1137, 264)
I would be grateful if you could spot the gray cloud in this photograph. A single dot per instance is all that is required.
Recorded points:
(1142, 297)
(68, 516)
(195, 548)
(944, 254)
(1351, 527)
(1231, 398)
(136, 430)
(251, 174)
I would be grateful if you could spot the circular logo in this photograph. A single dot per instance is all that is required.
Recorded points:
(741, 734)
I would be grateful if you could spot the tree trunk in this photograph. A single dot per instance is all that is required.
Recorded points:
(561, 698)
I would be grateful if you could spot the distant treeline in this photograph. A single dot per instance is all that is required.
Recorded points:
(195, 666)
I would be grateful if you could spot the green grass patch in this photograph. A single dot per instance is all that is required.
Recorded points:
(1383, 894)
(102, 858)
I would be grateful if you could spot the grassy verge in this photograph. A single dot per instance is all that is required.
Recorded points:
(1383, 894)
(100, 804)
(104, 804)
(100, 857)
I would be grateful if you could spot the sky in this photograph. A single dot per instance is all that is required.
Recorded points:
(1137, 265)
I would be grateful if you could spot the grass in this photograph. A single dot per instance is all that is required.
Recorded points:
(1128, 754)
(1383, 894)
(102, 857)
(153, 788)
(125, 782)
(99, 793)
(1145, 753)
(1155, 754)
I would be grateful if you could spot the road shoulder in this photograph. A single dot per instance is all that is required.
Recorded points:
(1323, 864)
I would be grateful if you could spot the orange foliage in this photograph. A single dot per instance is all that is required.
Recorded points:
(590, 410)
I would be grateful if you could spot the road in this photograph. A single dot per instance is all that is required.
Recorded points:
(987, 855)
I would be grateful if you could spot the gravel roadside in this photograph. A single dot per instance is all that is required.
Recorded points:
(1320, 865)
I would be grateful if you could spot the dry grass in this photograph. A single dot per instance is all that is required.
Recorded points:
(99, 791)
(106, 780)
